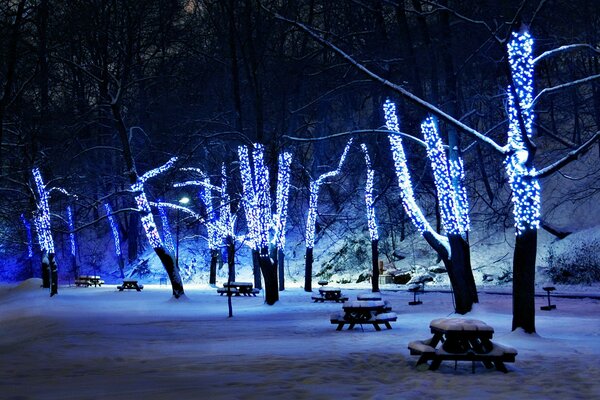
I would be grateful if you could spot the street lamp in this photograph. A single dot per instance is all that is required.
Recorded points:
(183, 201)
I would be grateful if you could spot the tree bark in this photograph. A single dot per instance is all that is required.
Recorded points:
(214, 259)
(230, 269)
(375, 264)
(463, 284)
(169, 265)
(53, 274)
(45, 271)
(308, 270)
(269, 273)
(524, 281)
(281, 268)
(256, 269)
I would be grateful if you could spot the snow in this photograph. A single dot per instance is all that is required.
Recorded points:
(97, 343)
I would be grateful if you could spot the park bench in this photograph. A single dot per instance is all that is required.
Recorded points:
(88, 280)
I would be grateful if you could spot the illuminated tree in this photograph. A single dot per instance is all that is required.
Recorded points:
(114, 227)
(259, 216)
(371, 220)
(280, 217)
(44, 233)
(454, 210)
(311, 220)
(72, 241)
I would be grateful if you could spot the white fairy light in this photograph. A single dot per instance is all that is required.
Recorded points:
(371, 221)
(283, 189)
(27, 226)
(114, 227)
(71, 230)
(525, 186)
(42, 215)
(402, 173)
(311, 220)
(166, 227)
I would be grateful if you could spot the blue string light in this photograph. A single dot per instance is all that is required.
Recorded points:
(371, 221)
(214, 237)
(166, 227)
(402, 173)
(71, 230)
(29, 238)
(283, 189)
(263, 196)
(526, 189)
(311, 220)
(114, 228)
(441, 176)
(226, 221)
(42, 214)
(249, 200)
(461, 200)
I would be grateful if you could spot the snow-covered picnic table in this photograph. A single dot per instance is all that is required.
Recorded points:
(358, 312)
(238, 288)
(329, 294)
(462, 339)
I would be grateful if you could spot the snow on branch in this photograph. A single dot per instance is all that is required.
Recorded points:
(157, 171)
(354, 132)
(561, 49)
(566, 85)
(397, 88)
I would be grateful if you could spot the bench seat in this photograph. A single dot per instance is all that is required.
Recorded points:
(232, 291)
(497, 356)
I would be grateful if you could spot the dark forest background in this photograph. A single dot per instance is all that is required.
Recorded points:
(197, 78)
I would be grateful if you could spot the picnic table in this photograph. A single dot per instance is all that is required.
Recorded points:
(128, 285)
(359, 312)
(238, 289)
(88, 280)
(461, 339)
(329, 294)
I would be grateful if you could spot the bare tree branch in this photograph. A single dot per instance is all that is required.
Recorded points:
(570, 47)
(571, 156)
(553, 89)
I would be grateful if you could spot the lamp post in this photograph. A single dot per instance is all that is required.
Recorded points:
(183, 201)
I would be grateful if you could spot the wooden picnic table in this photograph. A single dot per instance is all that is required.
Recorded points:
(359, 312)
(130, 284)
(237, 289)
(88, 280)
(462, 339)
(329, 294)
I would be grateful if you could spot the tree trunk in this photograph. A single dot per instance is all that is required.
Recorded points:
(132, 237)
(308, 270)
(214, 259)
(169, 265)
(45, 271)
(375, 261)
(53, 274)
(281, 265)
(523, 281)
(256, 269)
(460, 274)
(230, 269)
(462, 293)
(121, 266)
(269, 272)
(74, 266)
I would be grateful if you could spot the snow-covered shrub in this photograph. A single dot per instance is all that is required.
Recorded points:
(575, 264)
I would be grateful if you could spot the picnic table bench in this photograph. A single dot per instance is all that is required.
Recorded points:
(362, 312)
(88, 280)
(329, 294)
(128, 285)
(462, 340)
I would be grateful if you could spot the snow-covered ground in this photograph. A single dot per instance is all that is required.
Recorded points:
(98, 343)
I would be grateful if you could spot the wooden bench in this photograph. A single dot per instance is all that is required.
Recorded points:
(127, 285)
(379, 319)
(497, 356)
(549, 307)
(228, 291)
